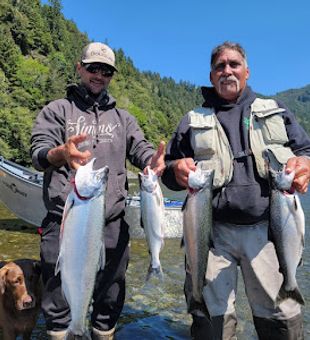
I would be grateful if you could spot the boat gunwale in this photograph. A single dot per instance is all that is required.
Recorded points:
(25, 172)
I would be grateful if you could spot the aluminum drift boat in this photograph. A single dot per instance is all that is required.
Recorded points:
(21, 193)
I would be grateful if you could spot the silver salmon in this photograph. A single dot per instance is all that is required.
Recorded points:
(82, 251)
(197, 226)
(287, 226)
(152, 216)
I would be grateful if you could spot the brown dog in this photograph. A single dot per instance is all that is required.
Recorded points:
(20, 297)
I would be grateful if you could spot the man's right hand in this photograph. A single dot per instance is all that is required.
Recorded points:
(182, 168)
(69, 153)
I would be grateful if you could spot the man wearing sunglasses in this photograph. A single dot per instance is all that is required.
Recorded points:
(88, 114)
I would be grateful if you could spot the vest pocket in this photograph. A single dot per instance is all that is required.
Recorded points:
(210, 145)
(218, 166)
(273, 129)
(212, 150)
(278, 155)
(202, 142)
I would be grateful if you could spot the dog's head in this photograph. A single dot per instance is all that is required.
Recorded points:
(19, 283)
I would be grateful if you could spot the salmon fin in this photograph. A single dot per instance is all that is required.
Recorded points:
(303, 241)
(184, 203)
(154, 273)
(162, 243)
(141, 222)
(293, 294)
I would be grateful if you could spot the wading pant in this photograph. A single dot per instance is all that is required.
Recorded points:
(249, 248)
(109, 292)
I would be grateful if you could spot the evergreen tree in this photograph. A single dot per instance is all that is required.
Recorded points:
(39, 49)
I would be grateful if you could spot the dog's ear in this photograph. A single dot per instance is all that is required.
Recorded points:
(37, 267)
(3, 272)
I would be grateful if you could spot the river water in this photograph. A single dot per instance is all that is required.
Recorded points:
(155, 310)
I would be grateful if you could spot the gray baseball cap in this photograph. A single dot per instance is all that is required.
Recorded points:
(97, 52)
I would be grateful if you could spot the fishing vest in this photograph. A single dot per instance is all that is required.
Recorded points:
(267, 139)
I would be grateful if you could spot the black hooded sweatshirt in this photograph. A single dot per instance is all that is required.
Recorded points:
(116, 137)
(245, 199)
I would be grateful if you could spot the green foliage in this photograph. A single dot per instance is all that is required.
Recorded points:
(39, 49)
(58, 75)
(9, 51)
(298, 100)
(29, 29)
(30, 82)
(3, 84)
(15, 129)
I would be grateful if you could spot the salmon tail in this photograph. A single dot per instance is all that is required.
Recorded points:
(293, 294)
(154, 272)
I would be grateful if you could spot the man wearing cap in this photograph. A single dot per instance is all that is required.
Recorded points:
(88, 113)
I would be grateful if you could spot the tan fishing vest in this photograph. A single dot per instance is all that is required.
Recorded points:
(267, 135)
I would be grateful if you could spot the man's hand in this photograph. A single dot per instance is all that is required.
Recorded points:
(69, 153)
(157, 163)
(182, 168)
(301, 166)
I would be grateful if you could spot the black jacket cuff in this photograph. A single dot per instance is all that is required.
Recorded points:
(42, 158)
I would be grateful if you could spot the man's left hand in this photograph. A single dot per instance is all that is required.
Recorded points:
(157, 163)
(301, 166)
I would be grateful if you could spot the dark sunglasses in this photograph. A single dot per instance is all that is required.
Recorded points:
(96, 68)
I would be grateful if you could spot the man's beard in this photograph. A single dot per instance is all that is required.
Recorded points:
(229, 78)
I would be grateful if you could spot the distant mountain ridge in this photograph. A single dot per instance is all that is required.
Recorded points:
(39, 48)
(298, 101)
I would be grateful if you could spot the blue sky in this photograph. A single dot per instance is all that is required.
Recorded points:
(175, 37)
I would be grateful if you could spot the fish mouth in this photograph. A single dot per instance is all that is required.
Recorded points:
(87, 182)
(192, 191)
(290, 191)
(81, 197)
(102, 172)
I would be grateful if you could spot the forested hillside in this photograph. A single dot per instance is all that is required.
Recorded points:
(38, 52)
(298, 100)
